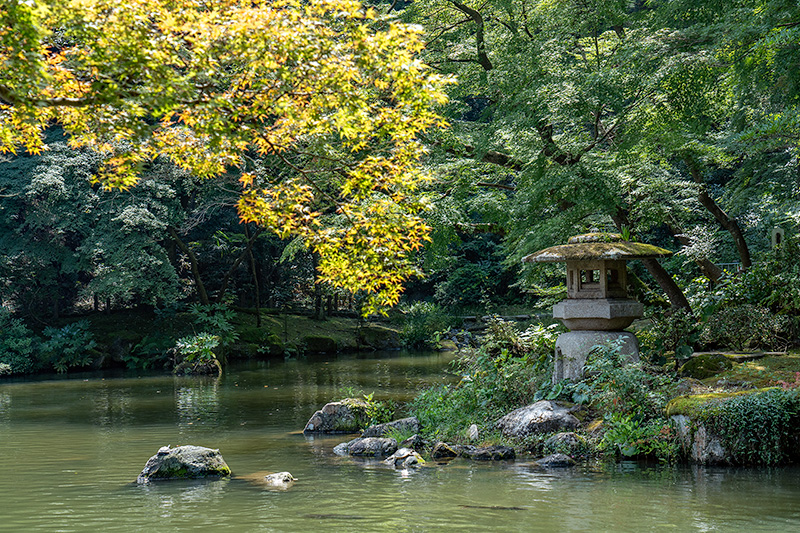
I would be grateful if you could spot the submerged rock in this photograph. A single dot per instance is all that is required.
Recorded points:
(410, 425)
(488, 453)
(345, 416)
(556, 460)
(405, 458)
(280, 479)
(184, 462)
(544, 416)
(367, 447)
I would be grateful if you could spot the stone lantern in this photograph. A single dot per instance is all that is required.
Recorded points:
(597, 307)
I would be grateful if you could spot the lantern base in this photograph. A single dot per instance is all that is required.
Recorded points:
(573, 347)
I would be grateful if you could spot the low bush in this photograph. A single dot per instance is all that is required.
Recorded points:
(422, 324)
(757, 428)
(632, 397)
(631, 436)
(69, 346)
(504, 373)
(18, 346)
(197, 354)
(618, 385)
(740, 327)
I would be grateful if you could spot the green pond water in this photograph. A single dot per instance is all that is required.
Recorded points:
(70, 449)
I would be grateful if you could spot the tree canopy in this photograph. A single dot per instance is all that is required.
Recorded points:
(330, 88)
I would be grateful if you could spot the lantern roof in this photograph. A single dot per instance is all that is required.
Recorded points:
(596, 246)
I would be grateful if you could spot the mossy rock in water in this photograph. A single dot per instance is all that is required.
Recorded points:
(706, 365)
(184, 462)
(346, 416)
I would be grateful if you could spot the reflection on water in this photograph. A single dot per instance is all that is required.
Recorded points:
(71, 449)
(197, 403)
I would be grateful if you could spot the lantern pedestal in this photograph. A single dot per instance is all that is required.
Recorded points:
(573, 347)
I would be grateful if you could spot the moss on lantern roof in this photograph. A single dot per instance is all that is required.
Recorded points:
(596, 246)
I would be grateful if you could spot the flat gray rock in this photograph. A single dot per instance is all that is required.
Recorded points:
(410, 425)
(367, 447)
(544, 416)
(488, 453)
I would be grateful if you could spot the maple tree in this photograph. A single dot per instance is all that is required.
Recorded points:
(327, 86)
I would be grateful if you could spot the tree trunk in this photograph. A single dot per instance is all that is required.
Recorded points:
(255, 278)
(659, 273)
(709, 269)
(227, 277)
(198, 282)
(729, 224)
(319, 311)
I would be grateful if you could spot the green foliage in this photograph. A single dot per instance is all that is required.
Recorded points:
(632, 397)
(69, 346)
(18, 345)
(399, 434)
(501, 375)
(378, 411)
(674, 330)
(216, 318)
(153, 350)
(422, 324)
(630, 436)
(618, 385)
(755, 428)
(197, 354)
(742, 326)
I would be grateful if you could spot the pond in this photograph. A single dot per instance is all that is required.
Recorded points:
(70, 449)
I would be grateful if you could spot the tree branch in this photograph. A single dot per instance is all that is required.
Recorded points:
(477, 18)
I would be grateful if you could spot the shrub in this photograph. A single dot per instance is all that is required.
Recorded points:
(675, 330)
(755, 428)
(217, 318)
(742, 326)
(422, 322)
(617, 385)
(197, 354)
(18, 345)
(630, 436)
(502, 374)
(69, 346)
